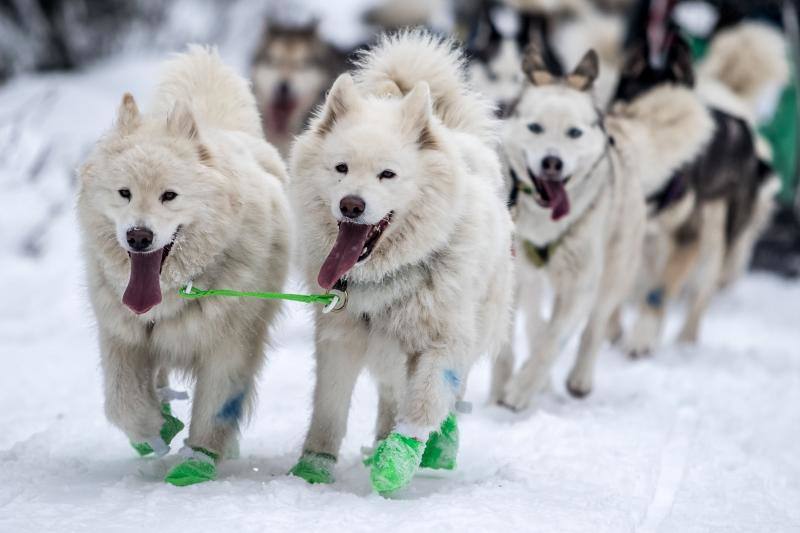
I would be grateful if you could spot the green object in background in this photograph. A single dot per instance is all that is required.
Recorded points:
(442, 446)
(781, 132)
(171, 427)
(315, 468)
(395, 462)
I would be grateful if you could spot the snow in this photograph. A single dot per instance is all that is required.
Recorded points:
(694, 439)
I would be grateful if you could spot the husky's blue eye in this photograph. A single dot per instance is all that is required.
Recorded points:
(387, 174)
(574, 133)
(168, 196)
(125, 193)
(536, 128)
(341, 168)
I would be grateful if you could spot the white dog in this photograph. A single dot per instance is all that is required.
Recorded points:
(398, 196)
(190, 191)
(581, 211)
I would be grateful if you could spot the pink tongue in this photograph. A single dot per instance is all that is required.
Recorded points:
(144, 291)
(344, 254)
(559, 201)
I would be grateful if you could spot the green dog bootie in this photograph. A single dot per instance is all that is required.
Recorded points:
(197, 468)
(442, 446)
(315, 467)
(394, 463)
(171, 427)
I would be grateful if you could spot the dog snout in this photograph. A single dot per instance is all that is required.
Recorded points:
(283, 90)
(139, 239)
(352, 206)
(552, 166)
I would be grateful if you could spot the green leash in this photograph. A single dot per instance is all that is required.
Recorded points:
(333, 300)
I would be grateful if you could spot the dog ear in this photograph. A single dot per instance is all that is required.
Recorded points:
(417, 111)
(342, 97)
(128, 118)
(680, 63)
(635, 61)
(181, 123)
(582, 78)
(534, 66)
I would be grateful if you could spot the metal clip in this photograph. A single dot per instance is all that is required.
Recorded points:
(337, 303)
(188, 289)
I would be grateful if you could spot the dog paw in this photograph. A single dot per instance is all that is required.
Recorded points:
(518, 396)
(579, 384)
(689, 335)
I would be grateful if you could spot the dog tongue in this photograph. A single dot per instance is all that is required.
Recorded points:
(344, 254)
(559, 201)
(144, 291)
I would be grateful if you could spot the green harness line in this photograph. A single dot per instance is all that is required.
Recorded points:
(333, 300)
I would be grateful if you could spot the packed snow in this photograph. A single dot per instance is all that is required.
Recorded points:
(694, 439)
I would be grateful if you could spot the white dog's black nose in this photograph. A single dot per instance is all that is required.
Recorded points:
(352, 206)
(552, 164)
(139, 239)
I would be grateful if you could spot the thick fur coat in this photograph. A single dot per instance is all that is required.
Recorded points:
(224, 224)
(405, 134)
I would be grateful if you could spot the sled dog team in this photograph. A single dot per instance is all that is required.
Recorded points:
(396, 195)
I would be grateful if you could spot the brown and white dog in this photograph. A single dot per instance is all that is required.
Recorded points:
(291, 70)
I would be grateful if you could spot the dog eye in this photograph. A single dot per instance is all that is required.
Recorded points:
(574, 133)
(341, 168)
(491, 75)
(125, 193)
(387, 174)
(168, 196)
(536, 128)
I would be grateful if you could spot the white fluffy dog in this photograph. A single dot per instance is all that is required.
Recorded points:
(189, 191)
(398, 196)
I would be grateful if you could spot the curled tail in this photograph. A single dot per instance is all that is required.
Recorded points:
(217, 95)
(751, 60)
(402, 60)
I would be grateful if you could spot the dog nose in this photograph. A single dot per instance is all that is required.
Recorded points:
(352, 206)
(139, 239)
(552, 165)
(501, 110)
(283, 89)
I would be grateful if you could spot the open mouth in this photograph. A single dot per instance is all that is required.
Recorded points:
(551, 194)
(354, 244)
(144, 288)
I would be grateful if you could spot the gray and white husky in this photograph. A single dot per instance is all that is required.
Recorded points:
(397, 190)
(188, 191)
(580, 213)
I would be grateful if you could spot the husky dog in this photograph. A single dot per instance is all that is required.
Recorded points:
(581, 213)
(188, 191)
(399, 201)
(705, 218)
(291, 70)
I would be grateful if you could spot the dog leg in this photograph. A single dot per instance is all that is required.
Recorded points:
(130, 395)
(710, 261)
(387, 412)
(581, 377)
(502, 370)
(341, 345)
(615, 332)
(568, 310)
(646, 331)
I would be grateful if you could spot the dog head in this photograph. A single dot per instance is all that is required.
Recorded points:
(290, 71)
(374, 171)
(555, 132)
(646, 67)
(150, 198)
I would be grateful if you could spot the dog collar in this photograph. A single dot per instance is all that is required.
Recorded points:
(539, 256)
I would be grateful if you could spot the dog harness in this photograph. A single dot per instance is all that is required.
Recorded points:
(333, 300)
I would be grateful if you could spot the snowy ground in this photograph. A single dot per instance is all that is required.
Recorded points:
(695, 439)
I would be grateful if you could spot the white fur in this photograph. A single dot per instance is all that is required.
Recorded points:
(435, 292)
(202, 139)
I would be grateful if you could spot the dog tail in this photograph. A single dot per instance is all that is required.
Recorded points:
(403, 59)
(217, 96)
(751, 60)
(659, 132)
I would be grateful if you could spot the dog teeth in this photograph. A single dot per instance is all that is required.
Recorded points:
(364, 251)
